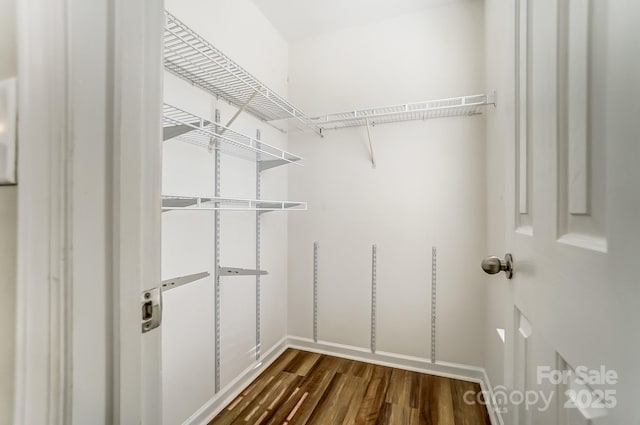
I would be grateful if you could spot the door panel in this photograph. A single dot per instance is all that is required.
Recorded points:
(567, 201)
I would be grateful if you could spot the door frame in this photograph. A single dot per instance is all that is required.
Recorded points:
(65, 292)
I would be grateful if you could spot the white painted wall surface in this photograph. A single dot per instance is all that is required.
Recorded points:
(241, 32)
(8, 226)
(428, 188)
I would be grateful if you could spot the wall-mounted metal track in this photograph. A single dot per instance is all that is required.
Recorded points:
(316, 248)
(258, 289)
(190, 56)
(217, 262)
(433, 303)
(455, 106)
(374, 295)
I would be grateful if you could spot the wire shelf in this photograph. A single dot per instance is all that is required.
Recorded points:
(178, 202)
(189, 56)
(456, 106)
(187, 127)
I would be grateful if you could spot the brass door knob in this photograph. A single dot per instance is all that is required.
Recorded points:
(493, 265)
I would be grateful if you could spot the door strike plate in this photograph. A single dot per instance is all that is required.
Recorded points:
(151, 303)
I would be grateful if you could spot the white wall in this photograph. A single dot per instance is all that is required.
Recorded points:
(241, 32)
(8, 225)
(428, 188)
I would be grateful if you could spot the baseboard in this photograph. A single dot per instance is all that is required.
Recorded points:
(492, 405)
(417, 364)
(227, 394)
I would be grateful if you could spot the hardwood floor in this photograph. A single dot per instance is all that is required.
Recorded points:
(308, 388)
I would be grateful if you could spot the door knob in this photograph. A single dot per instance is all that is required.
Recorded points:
(493, 265)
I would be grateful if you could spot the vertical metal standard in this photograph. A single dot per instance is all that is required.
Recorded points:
(433, 304)
(258, 308)
(374, 283)
(216, 267)
(316, 247)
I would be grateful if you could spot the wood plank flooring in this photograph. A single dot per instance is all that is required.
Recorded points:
(308, 388)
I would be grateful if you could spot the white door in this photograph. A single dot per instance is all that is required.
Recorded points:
(572, 208)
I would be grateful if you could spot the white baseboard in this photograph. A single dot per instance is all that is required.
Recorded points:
(492, 406)
(227, 394)
(417, 364)
(399, 361)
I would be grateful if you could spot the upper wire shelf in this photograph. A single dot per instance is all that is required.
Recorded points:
(179, 202)
(190, 128)
(455, 106)
(193, 58)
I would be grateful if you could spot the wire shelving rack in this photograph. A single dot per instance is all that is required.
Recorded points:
(455, 106)
(190, 56)
(213, 203)
(187, 127)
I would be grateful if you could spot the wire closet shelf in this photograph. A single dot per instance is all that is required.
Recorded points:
(455, 106)
(179, 202)
(187, 127)
(189, 56)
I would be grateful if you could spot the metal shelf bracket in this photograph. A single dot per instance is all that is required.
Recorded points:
(183, 280)
(236, 271)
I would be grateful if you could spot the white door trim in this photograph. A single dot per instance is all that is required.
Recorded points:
(90, 90)
(42, 393)
(137, 173)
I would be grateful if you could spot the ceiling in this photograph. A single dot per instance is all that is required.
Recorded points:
(297, 19)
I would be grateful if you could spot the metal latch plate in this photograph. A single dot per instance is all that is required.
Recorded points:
(151, 303)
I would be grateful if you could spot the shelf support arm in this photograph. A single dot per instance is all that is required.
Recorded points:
(239, 111)
(373, 158)
(233, 118)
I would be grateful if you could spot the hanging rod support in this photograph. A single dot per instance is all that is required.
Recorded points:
(233, 118)
(373, 159)
(241, 110)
